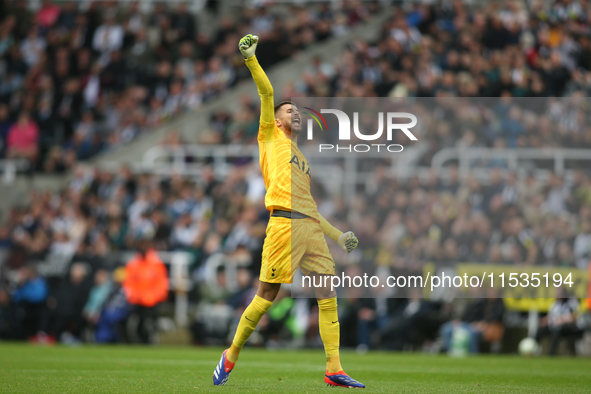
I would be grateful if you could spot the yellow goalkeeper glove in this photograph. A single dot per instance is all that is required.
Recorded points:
(348, 241)
(247, 45)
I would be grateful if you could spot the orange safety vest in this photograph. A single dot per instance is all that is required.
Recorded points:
(146, 280)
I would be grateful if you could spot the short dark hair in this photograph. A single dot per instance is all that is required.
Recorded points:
(281, 104)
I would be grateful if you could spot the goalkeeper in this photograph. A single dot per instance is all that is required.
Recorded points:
(295, 233)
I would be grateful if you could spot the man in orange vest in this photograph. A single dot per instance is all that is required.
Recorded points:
(146, 285)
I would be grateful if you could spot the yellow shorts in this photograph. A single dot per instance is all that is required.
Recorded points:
(293, 243)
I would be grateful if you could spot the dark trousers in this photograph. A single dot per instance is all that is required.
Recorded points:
(570, 332)
(21, 320)
(146, 327)
(56, 321)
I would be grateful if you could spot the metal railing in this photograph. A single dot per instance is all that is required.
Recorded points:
(328, 167)
(190, 159)
(479, 160)
(9, 168)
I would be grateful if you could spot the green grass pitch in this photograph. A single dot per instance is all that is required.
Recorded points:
(129, 369)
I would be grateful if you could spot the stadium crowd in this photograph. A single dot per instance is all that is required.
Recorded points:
(75, 81)
(68, 243)
(113, 74)
(78, 81)
(513, 48)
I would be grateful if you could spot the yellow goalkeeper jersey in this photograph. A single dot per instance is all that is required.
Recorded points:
(285, 169)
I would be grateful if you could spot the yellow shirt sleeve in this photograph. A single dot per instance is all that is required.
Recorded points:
(265, 89)
(328, 229)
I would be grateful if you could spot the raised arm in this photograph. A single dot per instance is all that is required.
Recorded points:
(248, 46)
(348, 241)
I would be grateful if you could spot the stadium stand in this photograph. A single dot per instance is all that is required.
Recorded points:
(86, 80)
(541, 216)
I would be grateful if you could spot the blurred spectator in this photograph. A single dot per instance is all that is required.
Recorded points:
(213, 312)
(5, 323)
(48, 14)
(64, 319)
(582, 245)
(110, 327)
(23, 138)
(483, 320)
(32, 287)
(146, 285)
(108, 37)
(415, 321)
(32, 47)
(5, 126)
(103, 286)
(26, 303)
(560, 322)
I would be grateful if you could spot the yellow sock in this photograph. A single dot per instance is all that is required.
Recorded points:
(333, 364)
(328, 322)
(248, 322)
